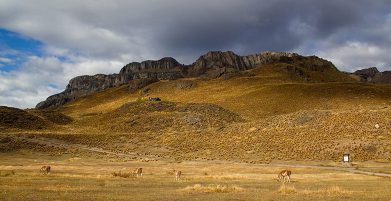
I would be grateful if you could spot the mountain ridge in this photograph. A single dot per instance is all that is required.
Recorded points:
(211, 65)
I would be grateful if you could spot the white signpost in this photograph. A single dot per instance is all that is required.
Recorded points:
(346, 158)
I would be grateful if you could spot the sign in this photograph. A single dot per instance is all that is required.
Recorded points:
(346, 158)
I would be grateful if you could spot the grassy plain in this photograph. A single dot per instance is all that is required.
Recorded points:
(90, 178)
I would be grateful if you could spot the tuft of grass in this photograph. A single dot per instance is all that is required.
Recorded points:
(213, 188)
(287, 189)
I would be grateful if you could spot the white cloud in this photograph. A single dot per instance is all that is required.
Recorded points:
(5, 60)
(354, 55)
(92, 28)
(36, 79)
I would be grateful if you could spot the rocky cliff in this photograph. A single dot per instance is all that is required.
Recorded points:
(211, 65)
(151, 71)
(81, 86)
(214, 64)
(164, 69)
(372, 75)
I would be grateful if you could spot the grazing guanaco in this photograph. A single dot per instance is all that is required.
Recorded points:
(138, 172)
(178, 174)
(45, 169)
(285, 175)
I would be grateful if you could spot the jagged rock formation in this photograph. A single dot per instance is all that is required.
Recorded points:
(146, 72)
(366, 75)
(214, 64)
(211, 65)
(372, 75)
(164, 69)
(81, 86)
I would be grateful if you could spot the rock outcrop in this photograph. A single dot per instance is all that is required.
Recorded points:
(366, 75)
(211, 65)
(372, 75)
(215, 63)
(144, 72)
(81, 86)
(164, 69)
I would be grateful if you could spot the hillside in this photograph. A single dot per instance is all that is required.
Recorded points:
(211, 65)
(295, 108)
(13, 118)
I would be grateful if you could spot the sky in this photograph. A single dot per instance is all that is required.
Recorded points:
(43, 44)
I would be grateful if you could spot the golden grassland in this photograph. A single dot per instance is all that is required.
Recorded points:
(256, 117)
(90, 178)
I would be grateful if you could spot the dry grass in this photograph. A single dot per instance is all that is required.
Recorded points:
(243, 119)
(316, 121)
(213, 188)
(333, 191)
(287, 189)
(6, 173)
(90, 178)
(122, 174)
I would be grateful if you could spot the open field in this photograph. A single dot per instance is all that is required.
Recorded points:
(90, 178)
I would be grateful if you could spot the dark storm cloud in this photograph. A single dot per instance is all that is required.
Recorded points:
(186, 29)
(253, 26)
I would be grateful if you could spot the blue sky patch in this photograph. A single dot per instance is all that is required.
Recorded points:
(15, 48)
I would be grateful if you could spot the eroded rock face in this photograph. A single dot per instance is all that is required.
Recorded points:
(214, 64)
(81, 86)
(373, 75)
(213, 61)
(144, 72)
(164, 69)
(211, 65)
(367, 74)
(267, 57)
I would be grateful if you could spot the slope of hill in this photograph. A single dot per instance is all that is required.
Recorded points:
(13, 118)
(293, 108)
